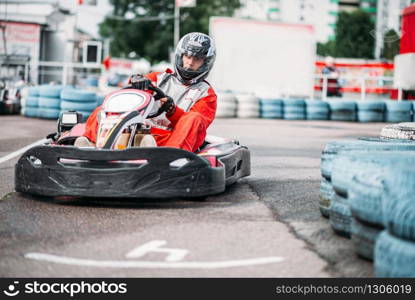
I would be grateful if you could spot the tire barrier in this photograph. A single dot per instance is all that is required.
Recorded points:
(31, 112)
(76, 95)
(49, 101)
(271, 108)
(31, 103)
(343, 110)
(333, 149)
(370, 111)
(50, 91)
(363, 146)
(78, 106)
(366, 189)
(79, 100)
(373, 202)
(230, 105)
(341, 175)
(294, 109)
(399, 202)
(364, 238)
(100, 99)
(317, 110)
(33, 91)
(395, 247)
(340, 216)
(326, 195)
(398, 111)
(344, 171)
(226, 105)
(402, 131)
(48, 113)
(248, 106)
(394, 257)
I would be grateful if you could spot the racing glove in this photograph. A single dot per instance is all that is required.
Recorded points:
(168, 105)
(140, 82)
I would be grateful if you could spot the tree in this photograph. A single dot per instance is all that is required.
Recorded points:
(353, 35)
(146, 26)
(390, 44)
(327, 49)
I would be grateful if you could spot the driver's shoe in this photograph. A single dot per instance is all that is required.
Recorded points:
(148, 141)
(83, 142)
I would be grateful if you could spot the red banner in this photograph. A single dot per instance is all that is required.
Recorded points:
(408, 30)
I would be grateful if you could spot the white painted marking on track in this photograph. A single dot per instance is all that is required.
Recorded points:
(153, 264)
(21, 151)
(154, 246)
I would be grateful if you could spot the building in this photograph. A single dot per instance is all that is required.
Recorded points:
(348, 5)
(259, 9)
(322, 14)
(388, 17)
(43, 32)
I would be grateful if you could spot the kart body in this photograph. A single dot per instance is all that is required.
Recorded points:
(123, 169)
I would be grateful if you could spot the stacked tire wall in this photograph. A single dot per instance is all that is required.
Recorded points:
(31, 103)
(226, 105)
(49, 101)
(78, 100)
(294, 109)
(367, 190)
(271, 108)
(246, 106)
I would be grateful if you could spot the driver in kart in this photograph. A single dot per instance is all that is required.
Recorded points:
(190, 106)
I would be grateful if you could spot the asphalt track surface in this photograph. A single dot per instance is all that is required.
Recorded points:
(267, 225)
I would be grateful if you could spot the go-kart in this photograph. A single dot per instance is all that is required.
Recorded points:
(118, 167)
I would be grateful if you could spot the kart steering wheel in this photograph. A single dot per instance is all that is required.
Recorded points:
(157, 96)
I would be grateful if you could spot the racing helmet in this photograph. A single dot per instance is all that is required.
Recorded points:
(199, 45)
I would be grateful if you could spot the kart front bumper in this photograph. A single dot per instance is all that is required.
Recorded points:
(131, 173)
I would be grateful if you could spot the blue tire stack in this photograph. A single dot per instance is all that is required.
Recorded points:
(32, 103)
(271, 108)
(79, 100)
(49, 101)
(317, 110)
(398, 111)
(395, 246)
(374, 179)
(294, 109)
(370, 111)
(100, 99)
(342, 110)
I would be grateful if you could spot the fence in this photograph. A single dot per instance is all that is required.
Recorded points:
(363, 85)
(64, 73)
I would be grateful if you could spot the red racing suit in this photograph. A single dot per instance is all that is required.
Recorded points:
(186, 127)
